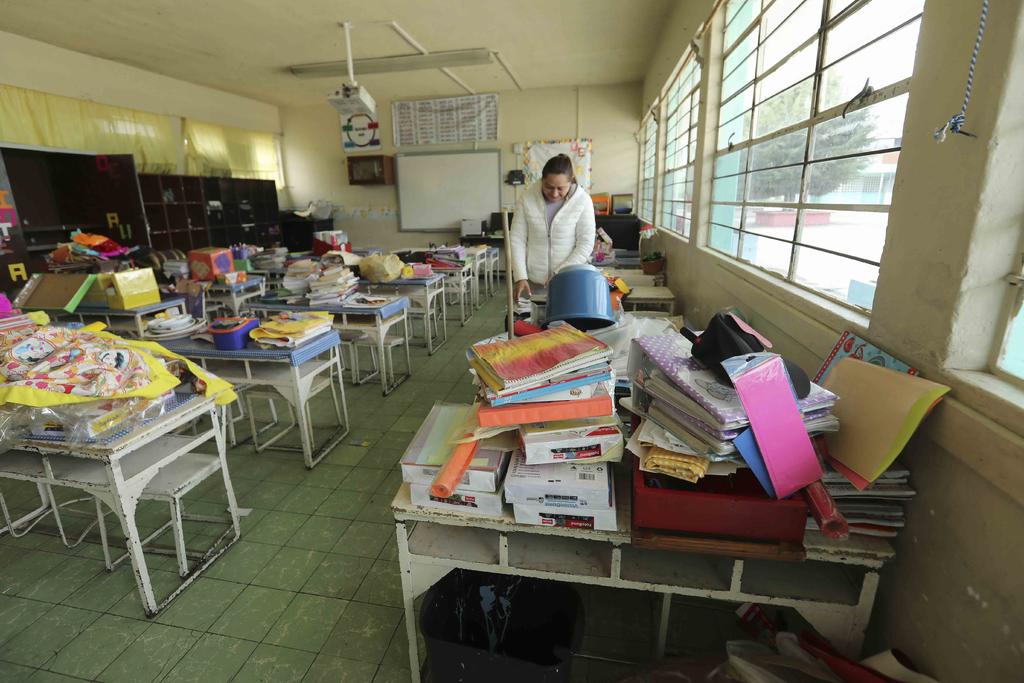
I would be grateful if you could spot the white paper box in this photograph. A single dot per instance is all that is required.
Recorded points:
(560, 485)
(482, 476)
(565, 440)
(601, 520)
(467, 502)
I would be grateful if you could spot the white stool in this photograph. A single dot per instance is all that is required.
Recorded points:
(350, 342)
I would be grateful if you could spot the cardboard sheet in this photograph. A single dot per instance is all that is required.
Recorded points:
(879, 410)
(55, 291)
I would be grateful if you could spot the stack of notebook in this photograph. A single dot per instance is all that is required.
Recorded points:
(556, 387)
(291, 329)
(874, 511)
(696, 410)
(271, 258)
(299, 276)
(447, 258)
(333, 287)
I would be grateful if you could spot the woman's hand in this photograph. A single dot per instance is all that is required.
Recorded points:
(523, 286)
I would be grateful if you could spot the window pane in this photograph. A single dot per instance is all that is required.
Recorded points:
(766, 253)
(838, 6)
(803, 24)
(728, 189)
(797, 67)
(879, 126)
(781, 151)
(732, 163)
(726, 216)
(788, 107)
(857, 233)
(738, 15)
(835, 276)
(867, 23)
(738, 78)
(860, 180)
(770, 221)
(885, 62)
(775, 185)
(735, 131)
(1012, 358)
(777, 13)
(737, 105)
(740, 53)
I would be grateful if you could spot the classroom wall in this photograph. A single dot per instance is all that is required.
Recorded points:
(28, 63)
(676, 35)
(951, 599)
(314, 162)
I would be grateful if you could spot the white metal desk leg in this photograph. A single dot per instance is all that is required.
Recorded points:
(301, 399)
(123, 503)
(222, 453)
(382, 332)
(663, 616)
(408, 599)
(408, 342)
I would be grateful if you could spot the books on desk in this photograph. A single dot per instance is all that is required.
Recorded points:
(292, 328)
(873, 511)
(335, 285)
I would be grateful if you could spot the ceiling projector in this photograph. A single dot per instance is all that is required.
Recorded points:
(350, 100)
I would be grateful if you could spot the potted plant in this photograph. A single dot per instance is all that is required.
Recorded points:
(653, 263)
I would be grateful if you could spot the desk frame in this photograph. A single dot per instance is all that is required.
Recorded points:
(443, 540)
(123, 486)
(433, 290)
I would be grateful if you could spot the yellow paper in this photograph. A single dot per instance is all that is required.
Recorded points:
(878, 410)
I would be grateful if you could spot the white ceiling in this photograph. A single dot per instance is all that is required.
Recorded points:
(244, 46)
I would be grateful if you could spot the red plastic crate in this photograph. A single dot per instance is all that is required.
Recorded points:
(733, 506)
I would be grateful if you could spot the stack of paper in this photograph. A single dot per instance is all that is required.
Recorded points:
(271, 259)
(873, 511)
(291, 329)
(578, 496)
(480, 490)
(299, 276)
(334, 286)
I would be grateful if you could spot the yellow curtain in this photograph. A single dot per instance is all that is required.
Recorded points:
(215, 150)
(30, 117)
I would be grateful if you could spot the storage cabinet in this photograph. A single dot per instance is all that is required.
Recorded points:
(241, 210)
(377, 169)
(175, 211)
(48, 195)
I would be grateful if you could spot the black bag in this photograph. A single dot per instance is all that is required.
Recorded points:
(724, 337)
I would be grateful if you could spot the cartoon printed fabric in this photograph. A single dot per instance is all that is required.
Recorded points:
(37, 362)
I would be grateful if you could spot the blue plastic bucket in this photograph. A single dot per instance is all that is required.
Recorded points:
(580, 296)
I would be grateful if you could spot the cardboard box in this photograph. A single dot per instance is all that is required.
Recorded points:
(579, 440)
(54, 291)
(484, 474)
(590, 518)
(469, 502)
(209, 262)
(560, 485)
(133, 289)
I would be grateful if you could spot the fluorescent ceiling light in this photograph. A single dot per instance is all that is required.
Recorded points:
(381, 65)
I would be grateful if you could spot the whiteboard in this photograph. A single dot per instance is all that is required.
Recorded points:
(436, 190)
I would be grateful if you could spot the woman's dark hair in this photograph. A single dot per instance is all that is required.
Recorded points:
(560, 164)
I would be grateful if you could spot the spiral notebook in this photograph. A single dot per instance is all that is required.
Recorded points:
(537, 358)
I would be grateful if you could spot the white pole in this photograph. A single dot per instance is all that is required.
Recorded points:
(348, 53)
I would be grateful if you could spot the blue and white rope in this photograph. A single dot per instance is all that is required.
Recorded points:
(955, 125)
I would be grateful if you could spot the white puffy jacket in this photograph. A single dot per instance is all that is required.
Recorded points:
(538, 253)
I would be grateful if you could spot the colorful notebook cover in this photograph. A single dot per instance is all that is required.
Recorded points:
(599, 405)
(880, 410)
(852, 346)
(537, 358)
(671, 353)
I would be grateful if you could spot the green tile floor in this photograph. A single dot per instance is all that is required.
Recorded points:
(310, 593)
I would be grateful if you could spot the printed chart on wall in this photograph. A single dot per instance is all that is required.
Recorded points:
(471, 118)
(537, 152)
(359, 132)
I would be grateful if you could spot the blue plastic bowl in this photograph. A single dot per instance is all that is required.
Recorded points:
(580, 296)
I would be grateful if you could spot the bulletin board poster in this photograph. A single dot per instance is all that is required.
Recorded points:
(537, 153)
(471, 118)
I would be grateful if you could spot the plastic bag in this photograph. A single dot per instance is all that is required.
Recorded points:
(14, 424)
(84, 422)
(381, 267)
(753, 662)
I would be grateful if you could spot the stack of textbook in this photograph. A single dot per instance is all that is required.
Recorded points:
(556, 387)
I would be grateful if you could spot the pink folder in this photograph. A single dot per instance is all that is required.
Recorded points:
(763, 386)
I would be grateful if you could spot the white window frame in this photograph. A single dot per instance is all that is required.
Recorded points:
(648, 135)
(1014, 300)
(673, 100)
(816, 117)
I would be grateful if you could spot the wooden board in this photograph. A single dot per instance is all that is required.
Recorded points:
(683, 543)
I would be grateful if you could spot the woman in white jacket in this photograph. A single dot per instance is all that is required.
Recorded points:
(553, 227)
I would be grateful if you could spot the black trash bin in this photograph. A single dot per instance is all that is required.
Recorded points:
(494, 628)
